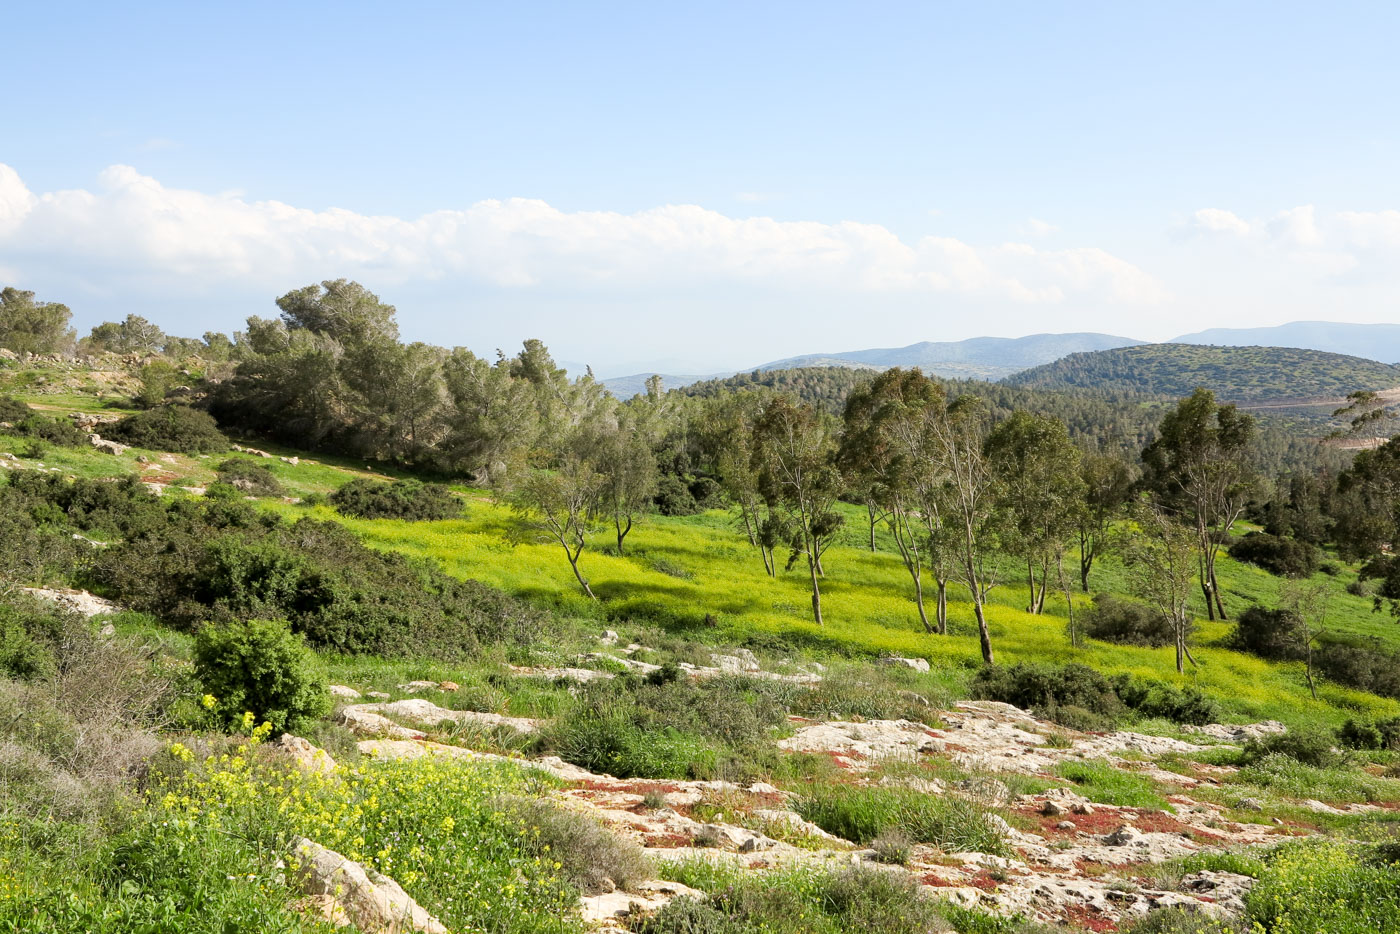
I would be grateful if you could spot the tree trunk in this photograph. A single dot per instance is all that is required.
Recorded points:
(573, 563)
(816, 590)
(919, 602)
(1205, 589)
(1215, 589)
(984, 636)
(621, 532)
(1086, 561)
(1180, 648)
(942, 606)
(1312, 687)
(1030, 583)
(870, 510)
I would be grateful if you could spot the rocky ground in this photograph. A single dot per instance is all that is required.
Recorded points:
(1069, 860)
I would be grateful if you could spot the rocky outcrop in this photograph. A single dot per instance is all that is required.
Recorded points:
(344, 892)
(77, 601)
(301, 754)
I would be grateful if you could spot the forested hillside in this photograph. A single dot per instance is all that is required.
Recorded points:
(1239, 374)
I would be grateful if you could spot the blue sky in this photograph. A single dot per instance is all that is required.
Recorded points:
(700, 187)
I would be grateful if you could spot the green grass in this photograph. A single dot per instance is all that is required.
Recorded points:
(862, 813)
(1103, 784)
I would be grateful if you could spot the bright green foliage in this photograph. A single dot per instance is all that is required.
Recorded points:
(1100, 782)
(170, 428)
(862, 813)
(261, 667)
(1326, 886)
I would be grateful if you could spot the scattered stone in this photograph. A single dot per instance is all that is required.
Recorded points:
(581, 675)
(609, 637)
(917, 664)
(741, 661)
(415, 687)
(1066, 825)
(1250, 804)
(364, 720)
(1226, 889)
(300, 753)
(348, 693)
(650, 897)
(1051, 809)
(1238, 732)
(377, 695)
(1123, 836)
(426, 713)
(449, 686)
(343, 892)
(76, 601)
(1083, 807)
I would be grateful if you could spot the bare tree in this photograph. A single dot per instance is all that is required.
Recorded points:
(1307, 601)
(558, 506)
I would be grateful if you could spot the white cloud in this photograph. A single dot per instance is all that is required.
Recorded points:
(1035, 227)
(134, 228)
(1217, 220)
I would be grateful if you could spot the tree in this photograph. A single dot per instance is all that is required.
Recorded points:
(792, 457)
(133, 335)
(1199, 469)
(888, 448)
(1039, 492)
(621, 455)
(27, 326)
(1162, 559)
(1307, 601)
(557, 505)
(1108, 488)
(340, 309)
(493, 423)
(959, 432)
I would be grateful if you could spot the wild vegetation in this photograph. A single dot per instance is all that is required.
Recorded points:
(714, 630)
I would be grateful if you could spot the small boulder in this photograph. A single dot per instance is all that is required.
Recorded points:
(348, 693)
(917, 664)
(343, 890)
(302, 754)
(449, 686)
(1051, 809)
(1250, 804)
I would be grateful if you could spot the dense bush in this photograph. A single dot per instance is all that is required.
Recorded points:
(1366, 734)
(673, 497)
(664, 728)
(1366, 668)
(1158, 699)
(51, 431)
(249, 477)
(406, 499)
(589, 855)
(1048, 688)
(1313, 747)
(13, 410)
(1286, 557)
(262, 667)
(1272, 634)
(176, 428)
(1127, 623)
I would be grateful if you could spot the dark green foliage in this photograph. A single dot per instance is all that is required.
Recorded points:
(262, 667)
(13, 410)
(50, 430)
(31, 637)
(1046, 687)
(405, 499)
(591, 857)
(1114, 619)
(1309, 746)
(1157, 699)
(249, 477)
(122, 507)
(177, 428)
(673, 497)
(1272, 634)
(1285, 557)
(1368, 669)
(1238, 374)
(1364, 734)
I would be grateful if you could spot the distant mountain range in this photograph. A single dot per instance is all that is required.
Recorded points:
(1372, 341)
(994, 358)
(987, 358)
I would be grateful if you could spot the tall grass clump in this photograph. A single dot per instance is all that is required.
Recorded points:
(862, 814)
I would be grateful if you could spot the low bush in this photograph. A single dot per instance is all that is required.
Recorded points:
(590, 856)
(13, 410)
(1370, 735)
(868, 693)
(854, 900)
(1048, 688)
(260, 667)
(177, 428)
(673, 497)
(863, 813)
(1127, 623)
(1273, 634)
(1367, 668)
(51, 431)
(404, 499)
(1158, 699)
(1315, 747)
(249, 477)
(1286, 557)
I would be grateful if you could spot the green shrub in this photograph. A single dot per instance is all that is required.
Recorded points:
(1113, 619)
(1359, 734)
(1048, 688)
(1367, 668)
(261, 667)
(13, 410)
(1325, 886)
(249, 477)
(866, 693)
(591, 857)
(57, 431)
(673, 497)
(1158, 699)
(405, 499)
(863, 813)
(1286, 557)
(1176, 920)
(1272, 634)
(176, 428)
(1313, 747)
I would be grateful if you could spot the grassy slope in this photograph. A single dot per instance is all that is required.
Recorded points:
(865, 599)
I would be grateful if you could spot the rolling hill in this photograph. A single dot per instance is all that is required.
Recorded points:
(985, 358)
(1248, 375)
(1371, 341)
